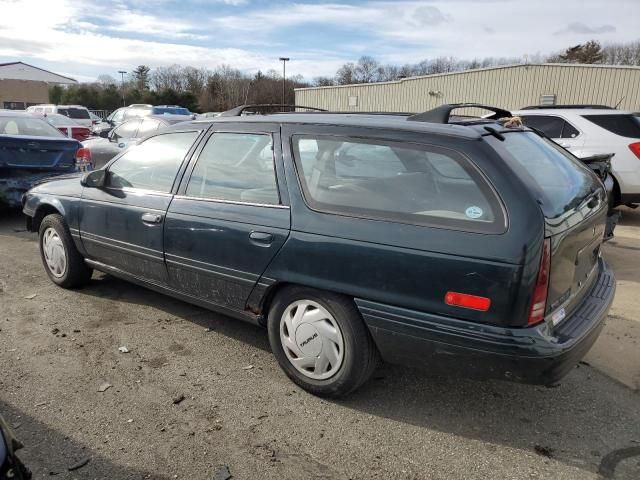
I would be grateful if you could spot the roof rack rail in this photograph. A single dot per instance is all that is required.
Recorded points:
(442, 113)
(262, 107)
(544, 107)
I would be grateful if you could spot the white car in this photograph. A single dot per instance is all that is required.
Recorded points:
(77, 112)
(589, 130)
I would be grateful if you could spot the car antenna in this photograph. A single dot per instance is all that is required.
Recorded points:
(618, 104)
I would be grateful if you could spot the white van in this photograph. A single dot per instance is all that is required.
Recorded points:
(79, 113)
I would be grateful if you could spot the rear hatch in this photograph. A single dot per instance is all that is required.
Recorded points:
(37, 152)
(574, 204)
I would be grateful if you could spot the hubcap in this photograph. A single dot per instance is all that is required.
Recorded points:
(312, 339)
(54, 253)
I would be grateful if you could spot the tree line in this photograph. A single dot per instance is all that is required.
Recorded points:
(225, 87)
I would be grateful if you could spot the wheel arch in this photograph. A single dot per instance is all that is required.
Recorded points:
(44, 209)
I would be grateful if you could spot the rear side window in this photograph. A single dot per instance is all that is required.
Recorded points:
(78, 113)
(153, 164)
(560, 179)
(624, 125)
(401, 182)
(551, 126)
(236, 167)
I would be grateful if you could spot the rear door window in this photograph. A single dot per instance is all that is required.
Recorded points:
(395, 181)
(77, 113)
(551, 126)
(625, 125)
(236, 167)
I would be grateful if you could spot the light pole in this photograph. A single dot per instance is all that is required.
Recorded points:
(122, 72)
(284, 61)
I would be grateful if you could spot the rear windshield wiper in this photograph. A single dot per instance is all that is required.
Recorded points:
(495, 133)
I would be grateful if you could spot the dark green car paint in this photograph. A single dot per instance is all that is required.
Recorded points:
(232, 257)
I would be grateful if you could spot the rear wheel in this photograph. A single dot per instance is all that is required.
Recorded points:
(320, 341)
(60, 257)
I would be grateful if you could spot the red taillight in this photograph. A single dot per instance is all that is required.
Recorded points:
(83, 158)
(467, 301)
(539, 301)
(635, 148)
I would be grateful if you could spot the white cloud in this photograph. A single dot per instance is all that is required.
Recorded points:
(88, 38)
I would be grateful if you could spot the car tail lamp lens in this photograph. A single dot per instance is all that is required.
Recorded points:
(467, 301)
(635, 148)
(83, 158)
(539, 301)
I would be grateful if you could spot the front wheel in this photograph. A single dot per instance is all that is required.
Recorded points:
(60, 257)
(321, 341)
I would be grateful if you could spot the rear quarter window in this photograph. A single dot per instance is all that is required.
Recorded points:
(395, 181)
(625, 125)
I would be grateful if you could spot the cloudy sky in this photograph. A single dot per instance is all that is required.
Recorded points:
(84, 38)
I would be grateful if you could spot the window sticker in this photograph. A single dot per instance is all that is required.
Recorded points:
(473, 212)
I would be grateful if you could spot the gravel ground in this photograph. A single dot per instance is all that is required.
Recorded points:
(58, 347)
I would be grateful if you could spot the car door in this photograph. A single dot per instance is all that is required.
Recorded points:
(121, 224)
(230, 217)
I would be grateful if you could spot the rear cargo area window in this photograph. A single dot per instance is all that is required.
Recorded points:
(623, 125)
(560, 180)
(402, 182)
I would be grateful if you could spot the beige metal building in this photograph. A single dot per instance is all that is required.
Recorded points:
(22, 85)
(510, 86)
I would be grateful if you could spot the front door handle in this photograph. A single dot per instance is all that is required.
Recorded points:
(151, 218)
(262, 239)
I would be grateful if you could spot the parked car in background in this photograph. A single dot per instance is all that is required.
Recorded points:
(76, 112)
(30, 150)
(207, 115)
(68, 126)
(593, 129)
(136, 111)
(467, 247)
(106, 146)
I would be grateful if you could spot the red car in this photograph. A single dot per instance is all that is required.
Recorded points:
(68, 126)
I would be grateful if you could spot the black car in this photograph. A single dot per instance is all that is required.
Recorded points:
(465, 246)
(109, 144)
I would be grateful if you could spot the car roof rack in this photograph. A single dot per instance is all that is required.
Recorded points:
(262, 107)
(552, 107)
(442, 114)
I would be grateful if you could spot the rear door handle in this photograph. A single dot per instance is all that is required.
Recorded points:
(262, 239)
(151, 218)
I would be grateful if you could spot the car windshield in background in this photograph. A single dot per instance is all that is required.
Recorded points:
(171, 111)
(560, 178)
(625, 125)
(74, 113)
(26, 126)
(406, 183)
(60, 120)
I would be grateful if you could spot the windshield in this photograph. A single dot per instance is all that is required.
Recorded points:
(60, 120)
(171, 110)
(27, 126)
(561, 180)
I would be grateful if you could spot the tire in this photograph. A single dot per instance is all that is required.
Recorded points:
(333, 349)
(60, 257)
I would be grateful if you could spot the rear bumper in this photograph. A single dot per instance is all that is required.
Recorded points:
(539, 355)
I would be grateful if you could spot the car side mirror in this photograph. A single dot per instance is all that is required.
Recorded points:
(95, 179)
(104, 133)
